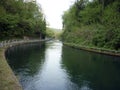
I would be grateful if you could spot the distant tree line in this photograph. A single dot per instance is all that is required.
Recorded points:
(53, 33)
(19, 18)
(93, 23)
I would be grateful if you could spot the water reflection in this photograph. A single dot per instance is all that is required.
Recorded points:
(26, 61)
(52, 66)
(52, 76)
(92, 71)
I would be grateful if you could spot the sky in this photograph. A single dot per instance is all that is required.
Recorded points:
(53, 10)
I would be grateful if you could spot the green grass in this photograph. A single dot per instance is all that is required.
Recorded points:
(8, 81)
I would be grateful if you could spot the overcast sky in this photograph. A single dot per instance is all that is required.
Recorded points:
(53, 10)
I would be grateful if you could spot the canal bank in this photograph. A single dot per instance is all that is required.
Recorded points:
(8, 80)
(94, 49)
(40, 66)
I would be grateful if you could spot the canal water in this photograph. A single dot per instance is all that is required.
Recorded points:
(53, 66)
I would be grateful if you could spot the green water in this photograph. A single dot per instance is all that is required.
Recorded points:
(52, 66)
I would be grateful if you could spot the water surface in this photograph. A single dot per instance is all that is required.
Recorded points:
(53, 66)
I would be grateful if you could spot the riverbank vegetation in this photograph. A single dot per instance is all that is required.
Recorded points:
(93, 23)
(19, 18)
(53, 33)
(94, 49)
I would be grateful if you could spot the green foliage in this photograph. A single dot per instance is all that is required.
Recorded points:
(91, 14)
(53, 33)
(19, 18)
(95, 23)
(50, 33)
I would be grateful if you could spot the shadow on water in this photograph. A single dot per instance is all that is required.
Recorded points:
(52, 66)
(91, 71)
(26, 60)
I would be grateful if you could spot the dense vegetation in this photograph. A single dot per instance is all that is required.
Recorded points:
(93, 23)
(53, 33)
(19, 18)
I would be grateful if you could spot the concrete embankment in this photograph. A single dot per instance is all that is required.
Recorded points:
(8, 80)
(94, 49)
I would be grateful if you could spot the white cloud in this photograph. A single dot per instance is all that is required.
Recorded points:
(53, 10)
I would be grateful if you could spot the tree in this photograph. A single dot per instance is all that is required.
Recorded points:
(94, 23)
(19, 18)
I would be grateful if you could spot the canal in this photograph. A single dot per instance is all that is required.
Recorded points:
(53, 66)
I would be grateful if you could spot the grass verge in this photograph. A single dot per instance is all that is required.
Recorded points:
(8, 81)
(94, 49)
